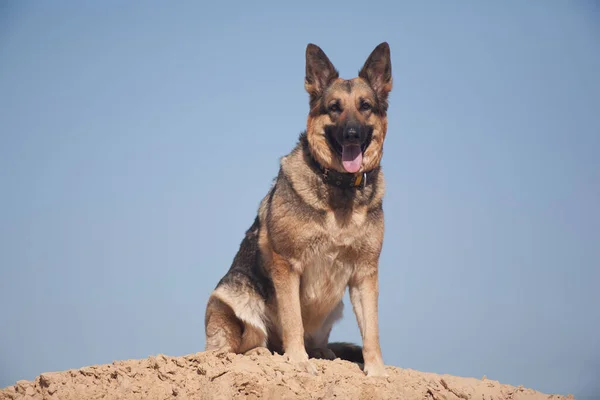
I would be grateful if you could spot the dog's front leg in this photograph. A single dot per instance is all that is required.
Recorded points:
(287, 290)
(364, 297)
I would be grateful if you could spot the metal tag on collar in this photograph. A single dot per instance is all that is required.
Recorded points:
(360, 180)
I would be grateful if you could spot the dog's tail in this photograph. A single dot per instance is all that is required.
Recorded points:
(347, 351)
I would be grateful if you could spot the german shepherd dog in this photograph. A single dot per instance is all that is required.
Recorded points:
(318, 230)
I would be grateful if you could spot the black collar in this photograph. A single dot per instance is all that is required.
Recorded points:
(348, 180)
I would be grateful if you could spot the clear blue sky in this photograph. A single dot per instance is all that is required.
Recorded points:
(137, 139)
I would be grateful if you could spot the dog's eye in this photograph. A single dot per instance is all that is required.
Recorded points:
(335, 107)
(364, 106)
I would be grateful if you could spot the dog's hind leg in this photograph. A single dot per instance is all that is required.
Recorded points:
(253, 338)
(318, 347)
(317, 343)
(223, 328)
(235, 321)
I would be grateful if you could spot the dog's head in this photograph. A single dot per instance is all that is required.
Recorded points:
(347, 122)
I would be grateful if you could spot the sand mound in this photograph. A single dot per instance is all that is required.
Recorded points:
(227, 376)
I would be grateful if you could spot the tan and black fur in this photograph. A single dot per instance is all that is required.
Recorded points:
(318, 230)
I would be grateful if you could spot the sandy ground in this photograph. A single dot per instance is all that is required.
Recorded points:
(259, 376)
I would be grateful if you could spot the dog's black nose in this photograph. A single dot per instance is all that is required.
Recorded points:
(351, 134)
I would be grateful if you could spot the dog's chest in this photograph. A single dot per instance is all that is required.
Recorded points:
(323, 274)
(326, 267)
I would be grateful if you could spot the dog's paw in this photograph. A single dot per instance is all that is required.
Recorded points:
(258, 351)
(375, 369)
(220, 352)
(307, 366)
(301, 363)
(322, 353)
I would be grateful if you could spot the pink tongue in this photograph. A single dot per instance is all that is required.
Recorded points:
(351, 158)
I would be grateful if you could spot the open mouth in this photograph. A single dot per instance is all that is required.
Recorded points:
(351, 154)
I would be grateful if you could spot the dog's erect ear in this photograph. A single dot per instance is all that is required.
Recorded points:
(377, 71)
(320, 72)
